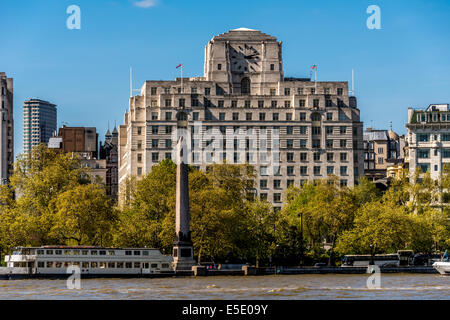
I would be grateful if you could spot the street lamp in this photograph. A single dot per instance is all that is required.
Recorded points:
(372, 262)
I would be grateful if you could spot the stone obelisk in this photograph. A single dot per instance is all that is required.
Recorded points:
(182, 249)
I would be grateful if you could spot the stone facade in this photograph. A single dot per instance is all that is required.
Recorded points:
(382, 149)
(429, 139)
(6, 128)
(39, 123)
(245, 110)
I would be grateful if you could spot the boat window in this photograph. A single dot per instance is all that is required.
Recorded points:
(58, 264)
(40, 264)
(26, 252)
(137, 253)
(128, 265)
(85, 252)
(154, 265)
(94, 265)
(40, 252)
(76, 252)
(67, 264)
(146, 264)
(49, 264)
(145, 253)
(85, 265)
(93, 252)
(67, 252)
(111, 265)
(137, 264)
(128, 253)
(102, 253)
(58, 252)
(102, 265)
(76, 264)
(165, 265)
(16, 253)
(50, 252)
(119, 264)
(111, 253)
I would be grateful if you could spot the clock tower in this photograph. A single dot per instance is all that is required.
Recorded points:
(244, 61)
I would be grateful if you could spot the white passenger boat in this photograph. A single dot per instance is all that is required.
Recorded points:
(442, 267)
(93, 262)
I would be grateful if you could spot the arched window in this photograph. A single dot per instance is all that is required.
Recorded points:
(245, 86)
(181, 116)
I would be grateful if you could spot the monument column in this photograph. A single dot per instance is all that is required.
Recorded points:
(182, 249)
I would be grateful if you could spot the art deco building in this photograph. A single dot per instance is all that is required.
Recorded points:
(429, 139)
(244, 109)
(6, 128)
(39, 123)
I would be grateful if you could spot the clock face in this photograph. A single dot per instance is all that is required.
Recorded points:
(244, 58)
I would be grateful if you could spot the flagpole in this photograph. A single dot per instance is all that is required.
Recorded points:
(315, 80)
(182, 91)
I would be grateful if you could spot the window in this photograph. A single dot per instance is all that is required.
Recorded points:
(302, 129)
(194, 102)
(300, 91)
(302, 116)
(168, 129)
(301, 103)
(290, 157)
(316, 156)
(424, 167)
(303, 156)
(303, 170)
(287, 91)
(340, 91)
(272, 67)
(302, 143)
(277, 184)
(329, 143)
(222, 116)
(315, 130)
(289, 130)
(263, 171)
(288, 116)
(343, 157)
(139, 131)
(274, 103)
(219, 66)
(316, 143)
(328, 103)
(343, 130)
(287, 104)
(317, 171)
(273, 92)
(343, 183)
(277, 197)
(423, 153)
(380, 150)
(168, 143)
(168, 103)
(248, 116)
(139, 157)
(154, 115)
(313, 91)
(290, 143)
(245, 86)
(329, 116)
(343, 143)
(263, 184)
(181, 103)
(343, 171)
(330, 170)
(155, 157)
(154, 129)
(316, 103)
(445, 153)
(330, 156)
(207, 91)
(262, 117)
(139, 171)
(155, 143)
(275, 116)
(153, 91)
(445, 137)
(290, 183)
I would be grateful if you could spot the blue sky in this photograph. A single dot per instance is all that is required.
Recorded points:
(86, 72)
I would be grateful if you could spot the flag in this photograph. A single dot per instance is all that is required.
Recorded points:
(314, 67)
(180, 65)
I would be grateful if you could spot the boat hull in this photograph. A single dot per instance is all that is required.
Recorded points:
(442, 267)
(62, 276)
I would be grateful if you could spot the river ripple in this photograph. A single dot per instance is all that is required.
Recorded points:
(300, 287)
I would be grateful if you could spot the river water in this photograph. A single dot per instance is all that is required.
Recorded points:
(393, 286)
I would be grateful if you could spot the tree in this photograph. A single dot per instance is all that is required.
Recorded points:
(83, 216)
